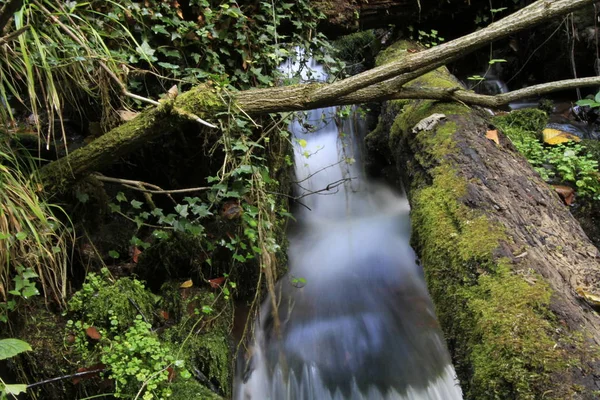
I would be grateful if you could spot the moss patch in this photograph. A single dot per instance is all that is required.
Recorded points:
(201, 337)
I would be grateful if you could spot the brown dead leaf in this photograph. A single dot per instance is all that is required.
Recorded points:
(127, 115)
(136, 254)
(215, 283)
(493, 135)
(93, 333)
(164, 314)
(187, 284)
(566, 193)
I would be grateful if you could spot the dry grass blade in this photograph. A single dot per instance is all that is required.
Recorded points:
(31, 236)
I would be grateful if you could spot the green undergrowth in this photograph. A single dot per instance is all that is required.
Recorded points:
(572, 163)
(505, 341)
(150, 346)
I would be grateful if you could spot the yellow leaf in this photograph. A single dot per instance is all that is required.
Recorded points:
(592, 299)
(187, 284)
(555, 136)
(302, 142)
(493, 135)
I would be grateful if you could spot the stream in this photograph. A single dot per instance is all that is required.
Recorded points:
(355, 318)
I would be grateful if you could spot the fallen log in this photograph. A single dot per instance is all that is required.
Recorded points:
(204, 103)
(503, 256)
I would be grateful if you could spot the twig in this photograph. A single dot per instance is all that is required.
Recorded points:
(320, 170)
(158, 190)
(138, 309)
(200, 377)
(13, 35)
(60, 378)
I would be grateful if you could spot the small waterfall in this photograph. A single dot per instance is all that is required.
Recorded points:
(356, 320)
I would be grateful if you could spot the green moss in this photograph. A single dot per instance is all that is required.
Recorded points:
(190, 389)
(200, 100)
(510, 323)
(529, 120)
(202, 335)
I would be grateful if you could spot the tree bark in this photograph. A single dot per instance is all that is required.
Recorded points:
(503, 256)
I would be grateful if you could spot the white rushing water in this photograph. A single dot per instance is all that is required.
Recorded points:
(356, 320)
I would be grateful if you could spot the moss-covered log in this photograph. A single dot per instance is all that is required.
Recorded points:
(206, 103)
(502, 254)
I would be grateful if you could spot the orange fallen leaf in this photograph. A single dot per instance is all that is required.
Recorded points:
(171, 375)
(493, 135)
(186, 284)
(136, 254)
(566, 193)
(215, 283)
(164, 314)
(555, 136)
(93, 333)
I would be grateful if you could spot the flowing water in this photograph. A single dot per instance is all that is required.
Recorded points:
(356, 321)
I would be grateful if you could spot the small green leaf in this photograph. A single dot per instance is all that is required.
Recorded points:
(121, 197)
(21, 235)
(114, 254)
(496, 60)
(11, 347)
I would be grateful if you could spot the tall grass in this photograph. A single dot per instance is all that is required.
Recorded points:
(31, 236)
(56, 60)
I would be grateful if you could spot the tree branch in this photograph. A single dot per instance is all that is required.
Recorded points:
(381, 83)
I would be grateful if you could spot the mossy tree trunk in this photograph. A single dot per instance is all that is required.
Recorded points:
(502, 254)
(380, 83)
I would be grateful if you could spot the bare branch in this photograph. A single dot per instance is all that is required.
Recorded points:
(13, 35)
(135, 185)
(8, 11)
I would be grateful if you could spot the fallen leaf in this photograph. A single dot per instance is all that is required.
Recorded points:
(127, 115)
(592, 299)
(136, 254)
(493, 135)
(164, 314)
(187, 284)
(173, 92)
(566, 193)
(231, 209)
(215, 283)
(555, 136)
(171, 375)
(93, 333)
